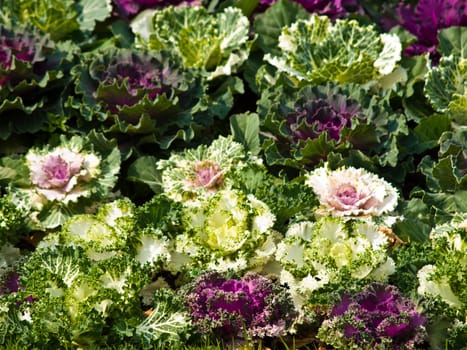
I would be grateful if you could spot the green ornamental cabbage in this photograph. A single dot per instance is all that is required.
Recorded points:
(217, 44)
(317, 51)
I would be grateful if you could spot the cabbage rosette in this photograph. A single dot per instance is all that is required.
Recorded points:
(445, 84)
(317, 51)
(61, 19)
(226, 231)
(66, 178)
(135, 92)
(217, 44)
(379, 316)
(203, 171)
(30, 75)
(351, 192)
(332, 253)
(304, 127)
(446, 278)
(249, 308)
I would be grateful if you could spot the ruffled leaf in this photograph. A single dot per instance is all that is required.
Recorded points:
(317, 51)
(217, 44)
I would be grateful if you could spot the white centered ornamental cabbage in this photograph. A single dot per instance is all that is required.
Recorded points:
(60, 174)
(351, 192)
(333, 250)
(229, 230)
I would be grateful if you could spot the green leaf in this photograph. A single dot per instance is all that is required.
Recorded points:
(123, 32)
(269, 24)
(443, 171)
(7, 173)
(53, 217)
(429, 130)
(417, 222)
(245, 130)
(92, 11)
(453, 41)
(144, 170)
(445, 205)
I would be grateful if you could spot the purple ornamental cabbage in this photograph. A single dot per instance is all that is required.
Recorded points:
(29, 71)
(426, 19)
(137, 92)
(379, 315)
(130, 8)
(307, 125)
(324, 114)
(253, 306)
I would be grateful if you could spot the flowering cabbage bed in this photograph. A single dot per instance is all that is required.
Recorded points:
(238, 174)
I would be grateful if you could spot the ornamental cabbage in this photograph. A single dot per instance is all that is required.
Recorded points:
(316, 51)
(30, 76)
(61, 19)
(445, 84)
(137, 92)
(351, 192)
(378, 316)
(204, 170)
(332, 252)
(446, 278)
(228, 230)
(251, 308)
(217, 44)
(426, 19)
(65, 177)
(312, 124)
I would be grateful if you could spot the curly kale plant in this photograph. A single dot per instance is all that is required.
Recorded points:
(130, 8)
(377, 317)
(202, 171)
(135, 92)
(252, 307)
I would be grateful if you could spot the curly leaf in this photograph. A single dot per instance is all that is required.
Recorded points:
(245, 129)
(318, 51)
(218, 44)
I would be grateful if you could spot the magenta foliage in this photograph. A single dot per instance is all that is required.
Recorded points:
(321, 115)
(253, 306)
(381, 313)
(426, 19)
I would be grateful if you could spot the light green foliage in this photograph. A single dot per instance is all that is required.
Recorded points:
(445, 84)
(214, 43)
(59, 18)
(333, 251)
(229, 230)
(317, 51)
